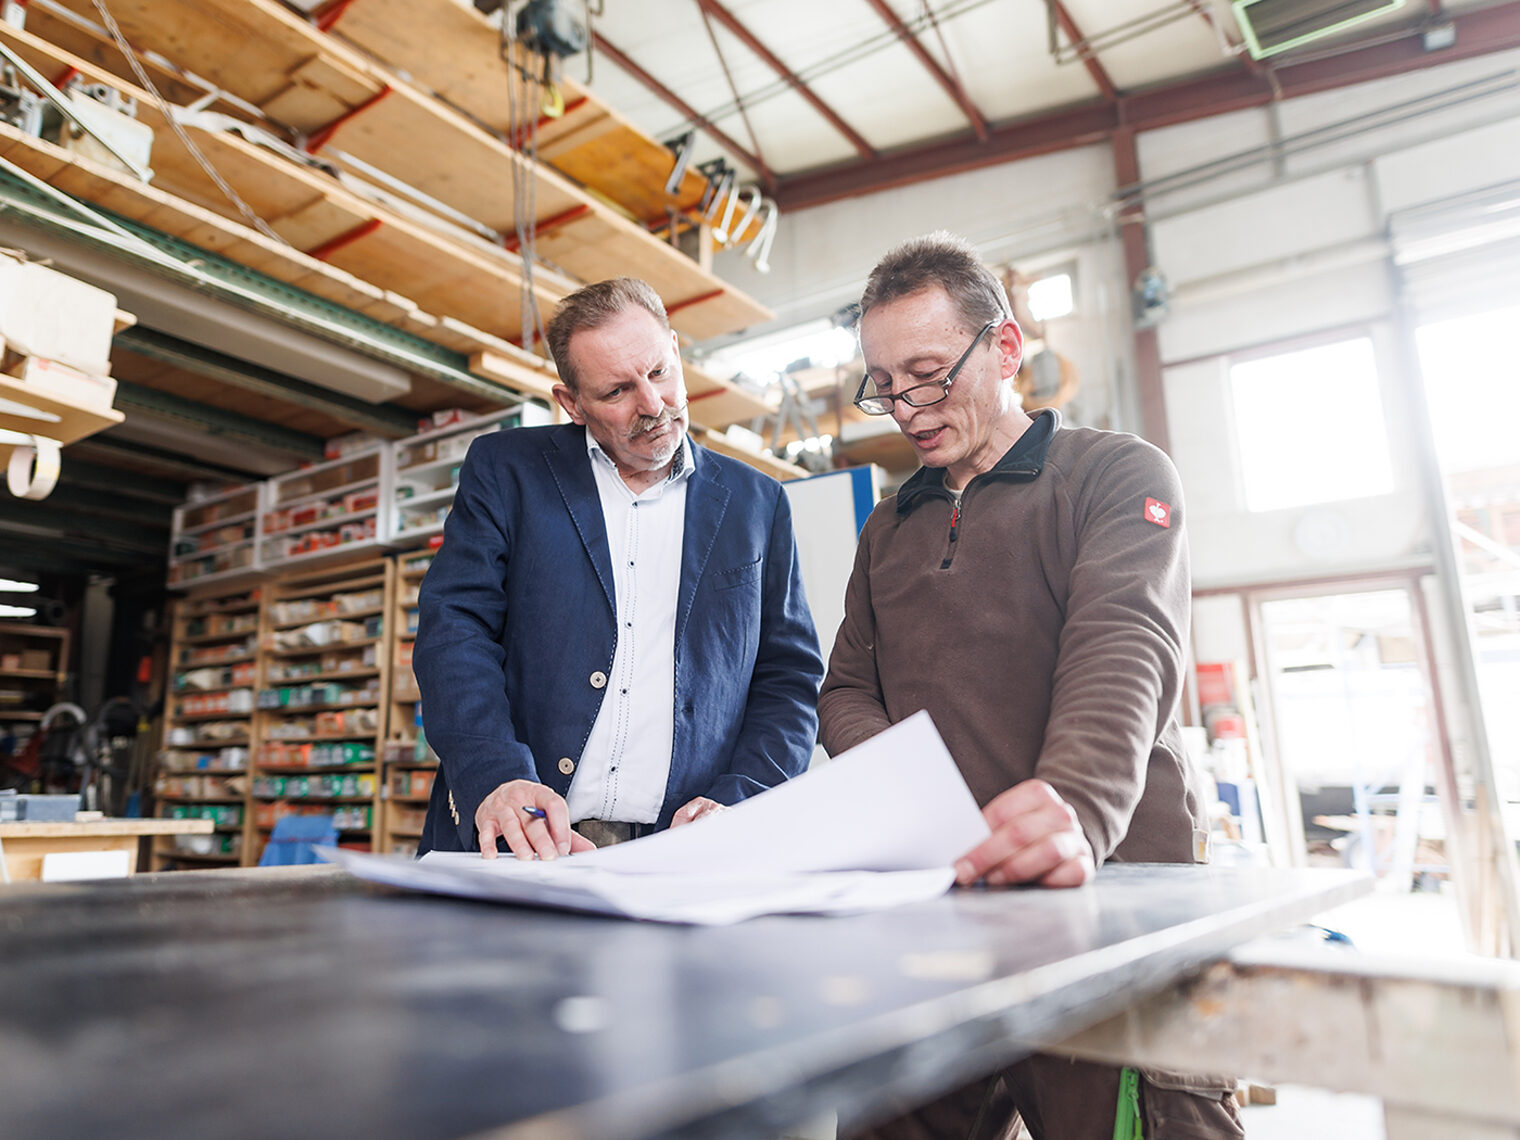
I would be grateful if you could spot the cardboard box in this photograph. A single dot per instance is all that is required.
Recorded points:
(36, 659)
(46, 313)
(62, 382)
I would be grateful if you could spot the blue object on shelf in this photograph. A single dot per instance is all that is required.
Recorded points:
(294, 839)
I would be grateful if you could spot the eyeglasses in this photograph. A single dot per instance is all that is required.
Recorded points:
(920, 395)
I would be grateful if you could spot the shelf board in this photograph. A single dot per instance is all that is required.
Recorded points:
(337, 585)
(427, 499)
(325, 769)
(234, 659)
(21, 629)
(179, 693)
(298, 710)
(410, 697)
(230, 520)
(371, 612)
(320, 799)
(342, 550)
(56, 419)
(5, 716)
(405, 832)
(350, 675)
(34, 674)
(232, 573)
(320, 496)
(410, 799)
(199, 718)
(420, 765)
(330, 522)
(313, 739)
(305, 651)
(231, 742)
(207, 638)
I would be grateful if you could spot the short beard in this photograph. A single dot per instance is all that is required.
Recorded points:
(646, 424)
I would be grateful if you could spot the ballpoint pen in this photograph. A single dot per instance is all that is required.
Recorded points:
(535, 812)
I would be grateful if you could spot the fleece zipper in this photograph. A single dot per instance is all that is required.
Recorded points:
(957, 507)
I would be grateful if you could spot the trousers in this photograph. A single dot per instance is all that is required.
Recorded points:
(1063, 1099)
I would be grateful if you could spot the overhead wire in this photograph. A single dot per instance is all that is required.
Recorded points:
(167, 111)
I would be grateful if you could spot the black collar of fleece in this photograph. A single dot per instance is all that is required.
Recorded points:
(1022, 462)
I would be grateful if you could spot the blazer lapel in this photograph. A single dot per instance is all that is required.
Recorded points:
(706, 502)
(570, 466)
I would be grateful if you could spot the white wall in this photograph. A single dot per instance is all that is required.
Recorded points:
(1259, 245)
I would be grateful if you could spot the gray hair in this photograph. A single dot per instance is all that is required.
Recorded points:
(593, 307)
(944, 260)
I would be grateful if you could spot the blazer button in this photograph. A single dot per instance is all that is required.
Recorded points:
(566, 765)
(599, 680)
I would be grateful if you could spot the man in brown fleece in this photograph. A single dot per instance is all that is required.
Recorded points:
(1029, 587)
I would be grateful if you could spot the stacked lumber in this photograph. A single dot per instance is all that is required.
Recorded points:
(336, 98)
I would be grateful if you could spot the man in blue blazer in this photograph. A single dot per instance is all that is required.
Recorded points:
(614, 633)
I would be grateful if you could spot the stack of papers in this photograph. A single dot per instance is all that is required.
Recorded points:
(880, 825)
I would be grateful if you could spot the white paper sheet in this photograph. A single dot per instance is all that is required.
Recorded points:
(878, 826)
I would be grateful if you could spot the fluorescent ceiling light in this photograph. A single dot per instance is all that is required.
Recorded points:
(12, 586)
(17, 611)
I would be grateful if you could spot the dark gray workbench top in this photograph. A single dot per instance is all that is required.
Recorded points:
(304, 1003)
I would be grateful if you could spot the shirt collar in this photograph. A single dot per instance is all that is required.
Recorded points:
(682, 465)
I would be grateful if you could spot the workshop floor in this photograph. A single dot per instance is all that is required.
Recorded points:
(1423, 925)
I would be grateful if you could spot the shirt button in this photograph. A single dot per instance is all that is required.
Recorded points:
(599, 680)
(566, 765)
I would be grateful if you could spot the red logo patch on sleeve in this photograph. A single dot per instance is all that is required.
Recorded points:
(1158, 512)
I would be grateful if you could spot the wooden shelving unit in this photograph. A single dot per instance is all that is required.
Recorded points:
(409, 764)
(213, 539)
(208, 721)
(324, 675)
(325, 511)
(425, 471)
(34, 665)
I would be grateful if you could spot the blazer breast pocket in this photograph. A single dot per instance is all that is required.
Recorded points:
(738, 575)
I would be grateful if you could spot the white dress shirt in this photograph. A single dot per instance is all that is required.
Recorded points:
(623, 771)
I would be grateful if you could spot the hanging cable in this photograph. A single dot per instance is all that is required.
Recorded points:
(167, 111)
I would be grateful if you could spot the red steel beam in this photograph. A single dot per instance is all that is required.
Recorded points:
(941, 76)
(747, 38)
(1090, 59)
(1480, 32)
(1134, 238)
(691, 113)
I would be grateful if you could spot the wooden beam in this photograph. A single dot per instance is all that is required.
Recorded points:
(747, 38)
(932, 65)
(1134, 238)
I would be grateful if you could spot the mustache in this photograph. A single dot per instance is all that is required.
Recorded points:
(646, 424)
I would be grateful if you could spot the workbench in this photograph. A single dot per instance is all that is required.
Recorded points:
(25, 842)
(299, 1001)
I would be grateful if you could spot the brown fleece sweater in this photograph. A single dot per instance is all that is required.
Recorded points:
(1042, 627)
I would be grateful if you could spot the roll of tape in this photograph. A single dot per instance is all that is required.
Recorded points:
(33, 469)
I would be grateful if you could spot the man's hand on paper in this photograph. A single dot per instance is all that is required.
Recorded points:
(528, 835)
(1035, 839)
(694, 810)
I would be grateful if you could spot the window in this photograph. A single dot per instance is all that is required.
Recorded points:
(1051, 297)
(1309, 427)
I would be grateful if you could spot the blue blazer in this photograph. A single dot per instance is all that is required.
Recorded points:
(517, 612)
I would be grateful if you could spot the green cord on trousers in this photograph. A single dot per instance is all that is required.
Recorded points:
(1127, 1124)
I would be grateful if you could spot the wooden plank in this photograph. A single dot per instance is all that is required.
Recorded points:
(519, 372)
(59, 420)
(717, 403)
(760, 461)
(263, 53)
(459, 59)
(1436, 1038)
